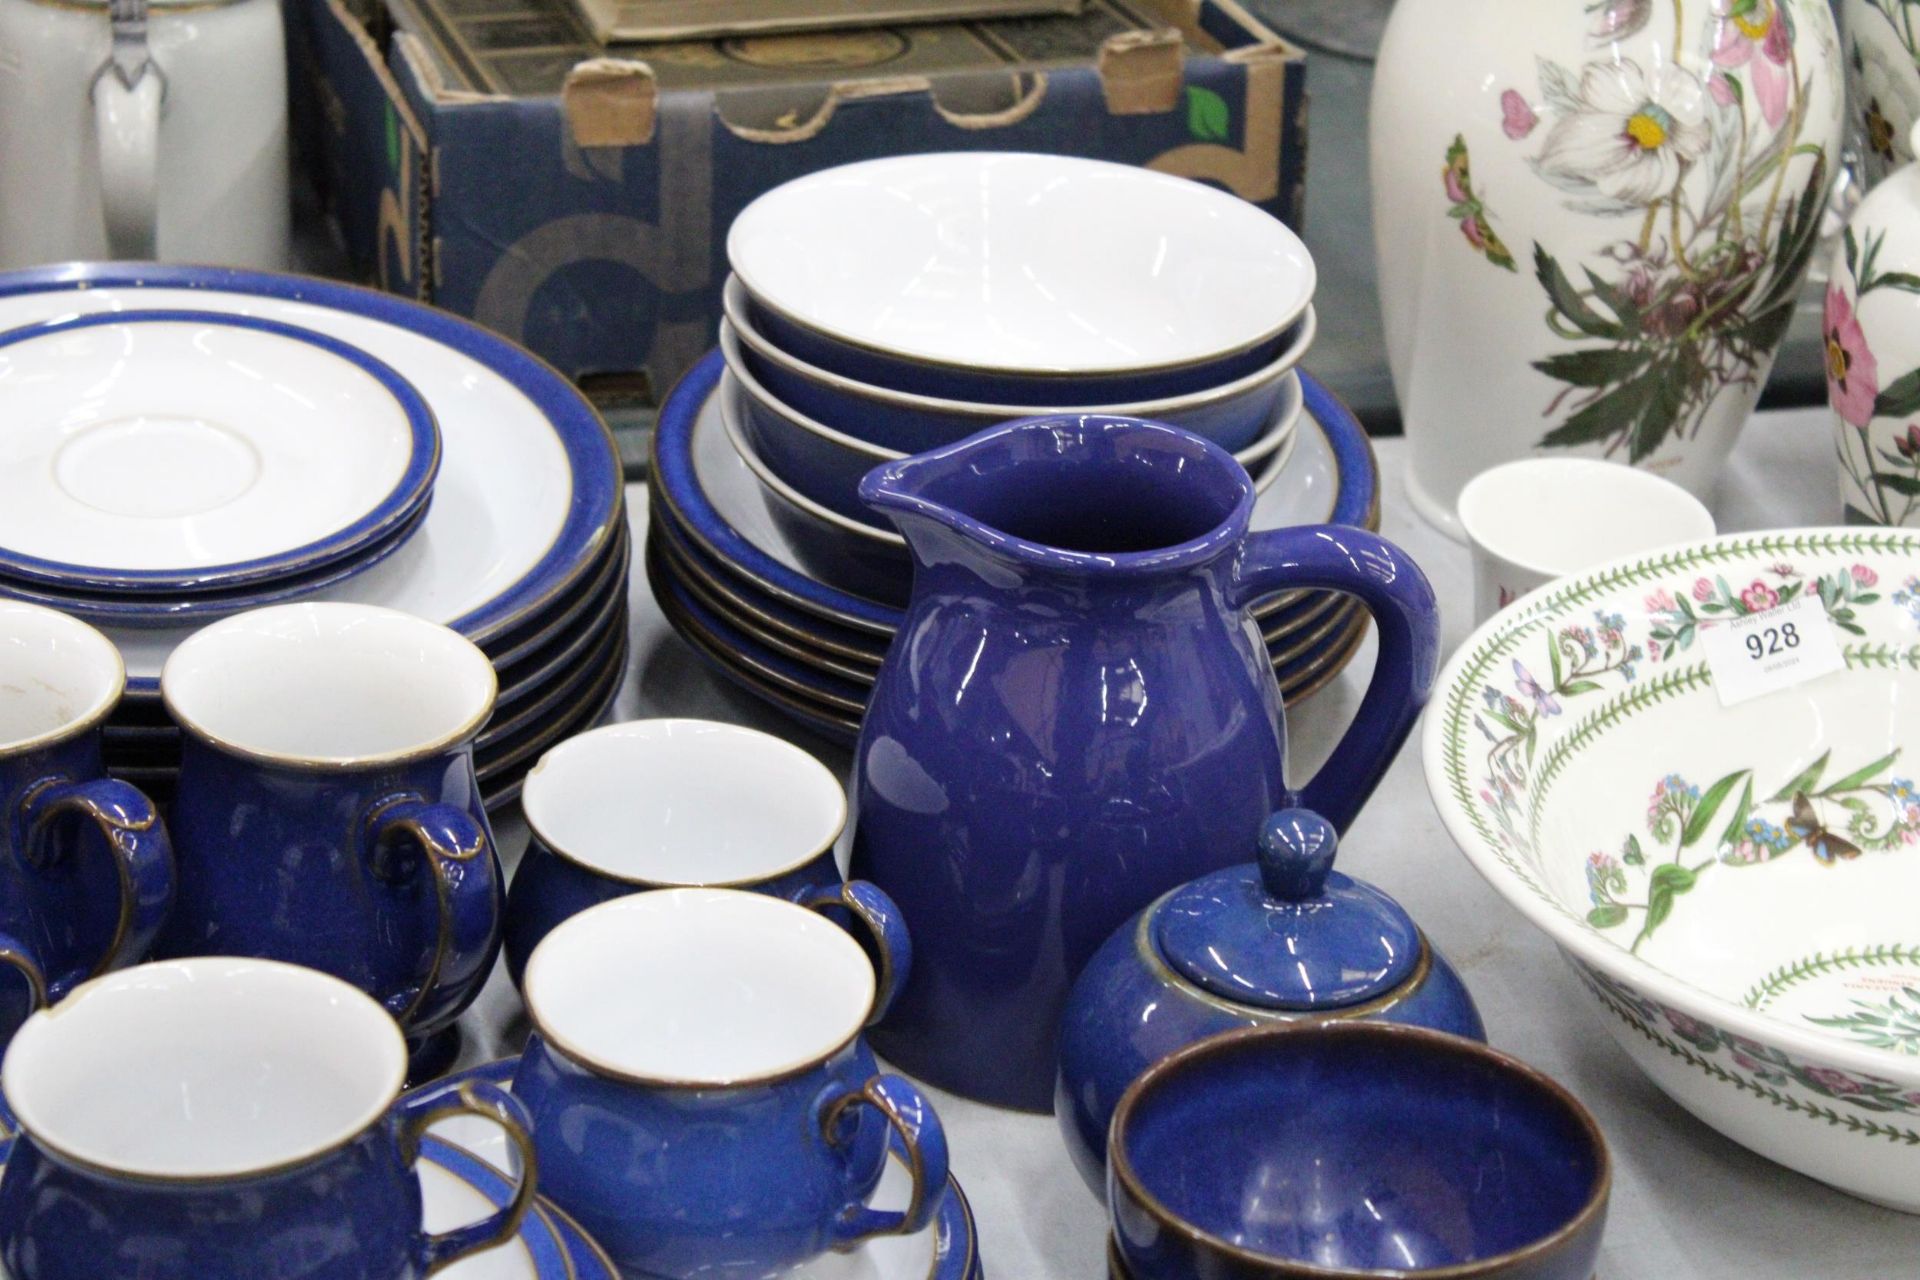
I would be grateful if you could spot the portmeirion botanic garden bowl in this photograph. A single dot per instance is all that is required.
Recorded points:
(1734, 885)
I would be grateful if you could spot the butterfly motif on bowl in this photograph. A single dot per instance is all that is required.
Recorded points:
(1806, 824)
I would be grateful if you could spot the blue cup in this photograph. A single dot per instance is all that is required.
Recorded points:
(327, 812)
(220, 1118)
(702, 1099)
(1349, 1150)
(86, 872)
(657, 804)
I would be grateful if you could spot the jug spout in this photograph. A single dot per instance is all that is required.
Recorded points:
(1078, 494)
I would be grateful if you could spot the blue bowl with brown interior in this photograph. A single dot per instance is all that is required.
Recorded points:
(1349, 1151)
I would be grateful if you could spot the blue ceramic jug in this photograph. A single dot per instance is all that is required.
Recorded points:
(1078, 714)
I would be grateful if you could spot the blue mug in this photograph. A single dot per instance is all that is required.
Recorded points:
(657, 804)
(86, 872)
(702, 1100)
(327, 812)
(227, 1119)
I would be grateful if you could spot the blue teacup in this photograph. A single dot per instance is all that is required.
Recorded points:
(658, 804)
(327, 812)
(86, 873)
(1346, 1150)
(702, 1100)
(221, 1118)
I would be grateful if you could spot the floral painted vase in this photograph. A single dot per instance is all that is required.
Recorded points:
(1872, 331)
(1592, 220)
(1882, 43)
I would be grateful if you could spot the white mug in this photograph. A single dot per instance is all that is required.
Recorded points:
(147, 131)
(1538, 519)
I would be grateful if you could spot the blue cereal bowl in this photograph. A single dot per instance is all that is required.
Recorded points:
(1232, 414)
(998, 386)
(1350, 1150)
(825, 465)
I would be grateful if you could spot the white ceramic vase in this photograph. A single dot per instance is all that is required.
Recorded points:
(1592, 222)
(1882, 43)
(1872, 332)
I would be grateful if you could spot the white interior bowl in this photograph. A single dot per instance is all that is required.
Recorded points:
(1022, 263)
(58, 677)
(204, 1068)
(684, 802)
(1733, 884)
(698, 987)
(329, 685)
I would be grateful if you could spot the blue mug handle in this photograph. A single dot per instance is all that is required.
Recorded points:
(17, 955)
(142, 853)
(913, 1121)
(872, 907)
(1392, 588)
(489, 1101)
(458, 852)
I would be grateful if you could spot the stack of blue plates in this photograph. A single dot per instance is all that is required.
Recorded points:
(734, 585)
(523, 546)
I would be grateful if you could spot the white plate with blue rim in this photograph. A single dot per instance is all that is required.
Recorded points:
(458, 1187)
(529, 494)
(947, 1250)
(180, 451)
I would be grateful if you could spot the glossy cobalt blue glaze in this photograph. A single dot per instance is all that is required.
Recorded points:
(1285, 940)
(1354, 1149)
(676, 488)
(1078, 715)
(993, 386)
(86, 873)
(384, 876)
(914, 426)
(728, 1183)
(352, 1212)
(549, 887)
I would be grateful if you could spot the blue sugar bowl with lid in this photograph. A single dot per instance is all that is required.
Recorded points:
(1285, 938)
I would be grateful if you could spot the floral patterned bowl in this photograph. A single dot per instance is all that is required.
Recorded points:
(1734, 885)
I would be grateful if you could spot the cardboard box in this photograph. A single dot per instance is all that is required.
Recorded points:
(488, 156)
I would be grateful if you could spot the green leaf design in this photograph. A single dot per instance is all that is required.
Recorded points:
(1702, 816)
(1632, 854)
(1598, 367)
(1614, 300)
(1207, 114)
(1905, 281)
(1567, 300)
(1607, 916)
(1807, 780)
(1900, 397)
(1669, 397)
(1861, 775)
(1741, 812)
(1905, 486)
(1610, 414)
(1581, 686)
(1672, 877)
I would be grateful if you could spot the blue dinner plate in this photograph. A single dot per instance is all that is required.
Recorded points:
(742, 541)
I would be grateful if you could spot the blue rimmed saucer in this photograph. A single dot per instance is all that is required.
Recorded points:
(169, 452)
(458, 1186)
(709, 498)
(520, 446)
(947, 1250)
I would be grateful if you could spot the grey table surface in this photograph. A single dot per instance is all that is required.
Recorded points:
(1687, 1203)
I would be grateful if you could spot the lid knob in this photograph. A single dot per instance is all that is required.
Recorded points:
(1296, 853)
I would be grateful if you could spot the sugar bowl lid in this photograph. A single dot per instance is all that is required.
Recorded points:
(1288, 932)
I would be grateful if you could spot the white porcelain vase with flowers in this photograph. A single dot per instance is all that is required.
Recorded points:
(1592, 221)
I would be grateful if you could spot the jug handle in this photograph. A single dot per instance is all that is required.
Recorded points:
(127, 92)
(135, 836)
(1398, 595)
